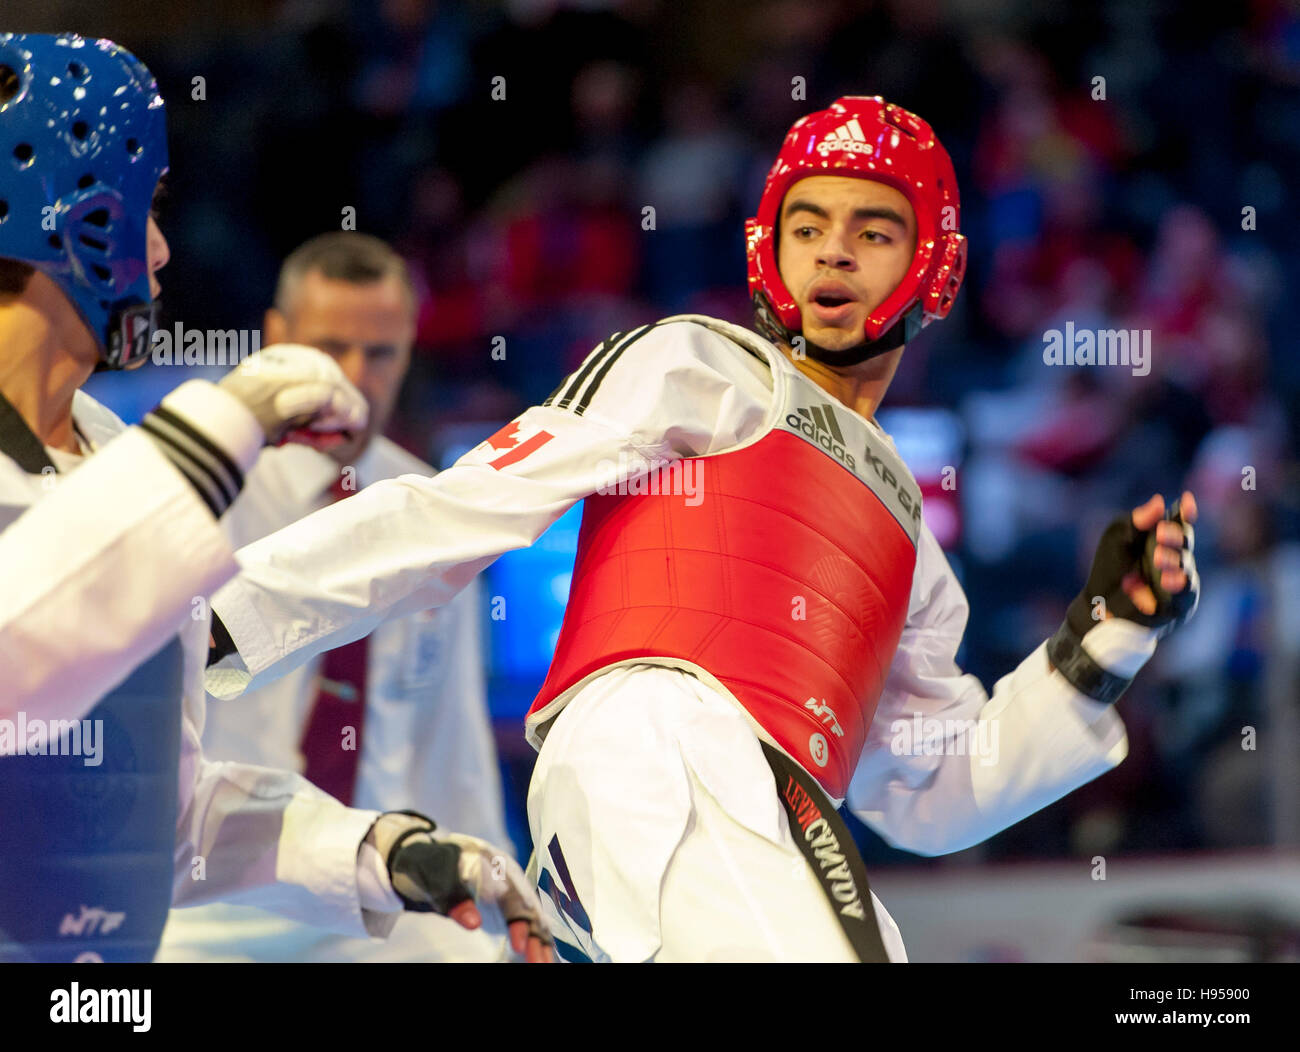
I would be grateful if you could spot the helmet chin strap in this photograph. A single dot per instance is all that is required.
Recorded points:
(898, 334)
(130, 337)
(857, 354)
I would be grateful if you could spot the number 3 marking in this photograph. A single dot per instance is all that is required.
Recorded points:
(817, 746)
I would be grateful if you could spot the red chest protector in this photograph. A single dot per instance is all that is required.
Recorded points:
(780, 571)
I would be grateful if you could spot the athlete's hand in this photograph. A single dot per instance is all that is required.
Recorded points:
(1144, 570)
(1143, 584)
(1170, 557)
(450, 873)
(298, 393)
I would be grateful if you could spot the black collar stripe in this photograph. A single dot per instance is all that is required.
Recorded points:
(19, 443)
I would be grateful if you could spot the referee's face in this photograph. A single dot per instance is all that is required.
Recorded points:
(845, 244)
(368, 329)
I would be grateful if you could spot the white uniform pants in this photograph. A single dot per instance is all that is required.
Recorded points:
(659, 834)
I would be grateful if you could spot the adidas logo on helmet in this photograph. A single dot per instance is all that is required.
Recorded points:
(847, 136)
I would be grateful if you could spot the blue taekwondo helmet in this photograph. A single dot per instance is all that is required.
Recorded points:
(83, 143)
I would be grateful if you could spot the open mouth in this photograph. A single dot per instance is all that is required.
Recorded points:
(832, 304)
(832, 299)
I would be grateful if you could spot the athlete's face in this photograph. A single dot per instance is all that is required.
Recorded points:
(845, 244)
(367, 329)
(158, 253)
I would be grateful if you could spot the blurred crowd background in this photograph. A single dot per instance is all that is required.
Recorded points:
(1167, 205)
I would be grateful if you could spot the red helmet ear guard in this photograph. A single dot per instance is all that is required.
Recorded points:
(869, 138)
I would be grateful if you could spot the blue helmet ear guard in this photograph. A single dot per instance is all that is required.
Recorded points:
(83, 143)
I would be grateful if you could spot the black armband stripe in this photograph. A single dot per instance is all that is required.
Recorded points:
(211, 448)
(583, 402)
(573, 382)
(192, 457)
(195, 476)
(206, 468)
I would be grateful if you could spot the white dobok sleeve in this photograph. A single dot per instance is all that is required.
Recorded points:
(261, 837)
(945, 765)
(97, 575)
(99, 572)
(400, 545)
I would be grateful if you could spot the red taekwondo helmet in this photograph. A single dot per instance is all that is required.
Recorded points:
(872, 139)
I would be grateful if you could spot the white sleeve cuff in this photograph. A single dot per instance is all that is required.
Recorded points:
(373, 883)
(222, 417)
(1120, 647)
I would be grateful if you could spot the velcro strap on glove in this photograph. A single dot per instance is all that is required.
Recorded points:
(1065, 651)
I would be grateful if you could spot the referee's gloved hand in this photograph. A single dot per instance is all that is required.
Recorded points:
(1143, 575)
(449, 873)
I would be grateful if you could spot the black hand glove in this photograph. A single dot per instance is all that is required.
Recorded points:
(425, 872)
(435, 872)
(1123, 549)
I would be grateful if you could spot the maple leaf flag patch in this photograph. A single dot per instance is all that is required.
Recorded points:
(508, 439)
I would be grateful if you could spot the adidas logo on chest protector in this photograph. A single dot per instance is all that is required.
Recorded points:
(856, 446)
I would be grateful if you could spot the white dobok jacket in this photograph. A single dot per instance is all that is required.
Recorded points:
(688, 387)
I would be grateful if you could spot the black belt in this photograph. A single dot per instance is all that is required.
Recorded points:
(826, 844)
